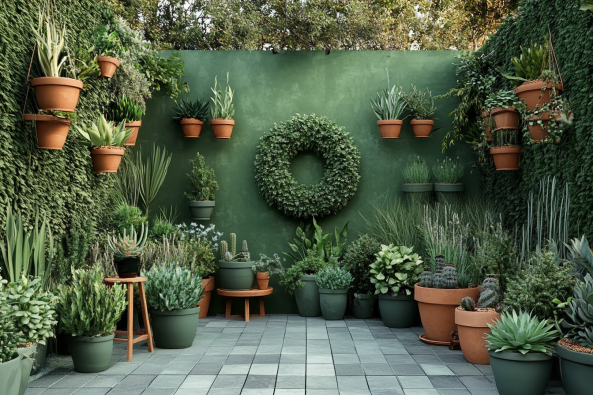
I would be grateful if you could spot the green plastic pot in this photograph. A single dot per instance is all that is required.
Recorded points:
(363, 306)
(333, 303)
(236, 276)
(577, 369)
(201, 211)
(128, 267)
(10, 376)
(91, 354)
(29, 354)
(399, 311)
(307, 297)
(518, 374)
(417, 188)
(448, 187)
(176, 328)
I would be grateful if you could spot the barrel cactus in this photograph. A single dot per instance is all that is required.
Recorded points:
(449, 270)
(468, 303)
(438, 280)
(426, 278)
(439, 262)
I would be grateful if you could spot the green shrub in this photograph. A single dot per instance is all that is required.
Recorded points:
(333, 278)
(416, 172)
(420, 103)
(312, 239)
(396, 270)
(359, 255)
(171, 287)
(162, 227)
(291, 279)
(8, 335)
(71, 253)
(522, 333)
(202, 181)
(269, 265)
(126, 215)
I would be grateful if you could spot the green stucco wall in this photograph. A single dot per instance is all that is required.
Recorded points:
(272, 88)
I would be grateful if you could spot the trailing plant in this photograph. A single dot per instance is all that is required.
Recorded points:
(202, 180)
(416, 172)
(59, 114)
(126, 215)
(333, 277)
(396, 270)
(223, 107)
(188, 109)
(103, 133)
(522, 332)
(448, 171)
(311, 264)
(170, 287)
(127, 110)
(128, 245)
(269, 265)
(578, 322)
(327, 246)
(391, 105)
(8, 335)
(359, 255)
(490, 296)
(503, 98)
(559, 117)
(420, 104)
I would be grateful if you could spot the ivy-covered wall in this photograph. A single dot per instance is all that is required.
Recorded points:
(572, 160)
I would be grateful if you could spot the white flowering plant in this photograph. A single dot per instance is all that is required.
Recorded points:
(200, 232)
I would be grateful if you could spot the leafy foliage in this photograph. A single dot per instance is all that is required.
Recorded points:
(126, 215)
(71, 253)
(396, 270)
(106, 41)
(522, 332)
(359, 255)
(269, 265)
(311, 264)
(333, 277)
(416, 172)
(502, 98)
(187, 108)
(420, 104)
(202, 180)
(170, 287)
(8, 335)
(313, 239)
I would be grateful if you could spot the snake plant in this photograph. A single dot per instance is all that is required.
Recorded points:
(50, 44)
(103, 133)
(391, 105)
(126, 245)
(190, 109)
(223, 107)
(126, 109)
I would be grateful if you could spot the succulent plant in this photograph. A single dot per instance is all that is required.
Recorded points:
(438, 280)
(103, 133)
(126, 109)
(426, 278)
(191, 109)
(450, 282)
(224, 248)
(488, 299)
(128, 245)
(468, 304)
(439, 262)
(232, 256)
(521, 332)
(449, 270)
(579, 313)
(233, 244)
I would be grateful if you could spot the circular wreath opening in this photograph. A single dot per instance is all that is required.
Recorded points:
(331, 143)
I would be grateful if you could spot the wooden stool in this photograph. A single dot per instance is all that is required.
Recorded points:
(146, 334)
(255, 292)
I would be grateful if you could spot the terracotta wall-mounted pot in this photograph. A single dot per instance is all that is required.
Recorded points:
(107, 159)
(506, 158)
(532, 94)
(51, 131)
(506, 118)
(538, 133)
(107, 65)
(192, 127)
(263, 280)
(472, 327)
(390, 128)
(222, 128)
(208, 287)
(57, 93)
(135, 126)
(421, 127)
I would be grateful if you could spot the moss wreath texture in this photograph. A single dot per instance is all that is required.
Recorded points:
(331, 143)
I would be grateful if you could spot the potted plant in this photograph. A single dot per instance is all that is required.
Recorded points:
(191, 115)
(395, 271)
(51, 127)
(546, 123)
(235, 268)
(127, 249)
(53, 92)
(299, 280)
(416, 178)
(389, 108)
(222, 111)
(106, 143)
(333, 283)
(202, 187)
(505, 150)
(448, 175)
(520, 348)
(265, 268)
(503, 107)
(472, 320)
(130, 112)
(11, 370)
(89, 310)
(421, 107)
(109, 47)
(172, 294)
(359, 255)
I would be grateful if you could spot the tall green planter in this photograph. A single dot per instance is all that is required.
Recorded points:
(399, 311)
(176, 328)
(577, 370)
(10, 376)
(29, 357)
(518, 374)
(236, 276)
(363, 306)
(333, 303)
(307, 297)
(91, 354)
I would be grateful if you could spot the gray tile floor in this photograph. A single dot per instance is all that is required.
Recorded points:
(282, 355)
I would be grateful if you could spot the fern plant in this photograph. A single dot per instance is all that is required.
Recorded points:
(187, 109)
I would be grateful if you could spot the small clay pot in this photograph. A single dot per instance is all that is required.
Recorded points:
(506, 118)
(51, 131)
(57, 93)
(222, 128)
(531, 93)
(421, 127)
(262, 280)
(107, 159)
(135, 126)
(208, 287)
(506, 158)
(107, 65)
(192, 127)
(390, 128)
(472, 327)
(538, 133)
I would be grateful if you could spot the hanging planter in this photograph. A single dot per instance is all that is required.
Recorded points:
(135, 127)
(57, 93)
(388, 108)
(129, 111)
(505, 118)
(421, 128)
(106, 159)
(537, 130)
(191, 127)
(421, 107)
(506, 157)
(51, 131)
(222, 128)
(536, 93)
(390, 128)
(107, 65)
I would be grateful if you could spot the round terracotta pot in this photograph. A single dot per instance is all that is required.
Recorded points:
(390, 128)
(262, 280)
(107, 159)
(506, 158)
(222, 128)
(57, 93)
(472, 327)
(51, 131)
(208, 287)
(192, 127)
(107, 65)
(437, 311)
(531, 93)
(135, 126)
(421, 127)
(506, 118)
(538, 133)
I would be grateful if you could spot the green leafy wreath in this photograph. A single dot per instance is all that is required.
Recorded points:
(331, 143)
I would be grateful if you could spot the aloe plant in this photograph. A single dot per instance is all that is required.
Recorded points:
(103, 133)
(391, 105)
(190, 109)
(579, 313)
(128, 245)
(521, 332)
(50, 42)
(223, 107)
(126, 109)
(531, 63)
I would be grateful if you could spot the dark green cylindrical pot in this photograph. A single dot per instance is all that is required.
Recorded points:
(577, 370)
(10, 376)
(448, 193)
(236, 276)
(333, 303)
(29, 355)
(307, 297)
(363, 306)
(518, 374)
(400, 311)
(176, 328)
(128, 267)
(201, 211)
(416, 188)
(448, 187)
(91, 354)
(39, 358)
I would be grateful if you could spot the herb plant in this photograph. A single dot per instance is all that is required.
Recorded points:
(202, 181)
(313, 239)
(126, 110)
(269, 265)
(291, 279)
(522, 332)
(357, 258)
(391, 105)
(420, 104)
(416, 172)
(448, 171)
(170, 287)
(396, 270)
(333, 277)
(8, 334)
(223, 107)
(103, 133)
(188, 109)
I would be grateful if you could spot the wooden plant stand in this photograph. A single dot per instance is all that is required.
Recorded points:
(255, 292)
(146, 334)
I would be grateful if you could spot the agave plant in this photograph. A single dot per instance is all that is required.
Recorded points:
(103, 133)
(50, 44)
(391, 105)
(531, 63)
(128, 245)
(522, 333)
(579, 314)
(580, 254)
(223, 107)
(126, 110)
(190, 109)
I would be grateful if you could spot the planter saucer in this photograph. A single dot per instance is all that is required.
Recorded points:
(433, 342)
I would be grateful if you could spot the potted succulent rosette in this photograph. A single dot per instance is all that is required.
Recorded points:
(359, 255)
(108, 45)
(235, 269)
(389, 109)
(417, 179)
(265, 268)
(396, 270)
(127, 248)
(222, 111)
(191, 115)
(421, 107)
(202, 188)
(333, 283)
(128, 110)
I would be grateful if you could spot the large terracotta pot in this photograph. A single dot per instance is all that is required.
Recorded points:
(390, 128)
(106, 159)
(532, 94)
(208, 287)
(51, 131)
(57, 93)
(192, 127)
(107, 65)
(538, 133)
(437, 311)
(506, 118)
(472, 327)
(263, 280)
(506, 158)
(135, 126)
(421, 127)
(222, 128)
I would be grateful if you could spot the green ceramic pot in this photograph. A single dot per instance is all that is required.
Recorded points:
(400, 311)
(363, 306)
(11, 376)
(91, 354)
(577, 369)
(307, 297)
(176, 328)
(201, 211)
(29, 355)
(333, 303)
(518, 374)
(236, 276)
(128, 267)
(448, 187)
(417, 188)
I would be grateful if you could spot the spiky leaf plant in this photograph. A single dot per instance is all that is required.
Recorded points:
(579, 314)
(522, 333)
(103, 133)
(191, 109)
(391, 105)
(126, 109)
(128, 245)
